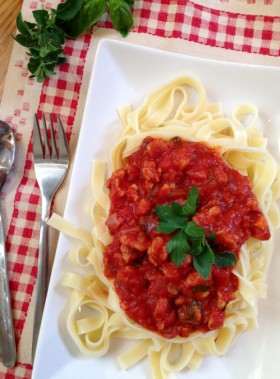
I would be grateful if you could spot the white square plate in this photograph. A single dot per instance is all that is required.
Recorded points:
(122, 74)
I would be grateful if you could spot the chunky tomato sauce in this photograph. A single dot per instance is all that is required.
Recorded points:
(153, 292)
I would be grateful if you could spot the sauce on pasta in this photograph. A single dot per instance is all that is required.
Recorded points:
(153, 292)
(139, 275)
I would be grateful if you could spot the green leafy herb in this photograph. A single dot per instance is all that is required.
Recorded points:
(189, 208)
(45, 38)
(177, 247)
(225, 259)
(68, 9)
(190, 238)
(89, 13)
(121, 16)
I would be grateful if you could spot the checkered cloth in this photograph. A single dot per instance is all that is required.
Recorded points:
(203, 22)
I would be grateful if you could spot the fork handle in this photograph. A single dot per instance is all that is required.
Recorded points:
(43, 272)
(7, 335)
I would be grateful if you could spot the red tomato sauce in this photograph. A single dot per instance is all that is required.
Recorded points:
(153, 292)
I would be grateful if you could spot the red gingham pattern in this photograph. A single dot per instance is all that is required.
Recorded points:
(189, 21)
(23, 234)
(265, 2)
(60, 94)
(21, 371)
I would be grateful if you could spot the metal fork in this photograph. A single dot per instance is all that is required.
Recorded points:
(51, 161)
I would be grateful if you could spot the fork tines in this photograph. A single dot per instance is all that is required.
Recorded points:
(49, 142)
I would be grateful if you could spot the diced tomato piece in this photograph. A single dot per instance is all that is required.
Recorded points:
(221, 276)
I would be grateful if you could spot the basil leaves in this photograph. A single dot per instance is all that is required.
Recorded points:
(45, 38)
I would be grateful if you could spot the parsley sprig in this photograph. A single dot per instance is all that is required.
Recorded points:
(190, 238)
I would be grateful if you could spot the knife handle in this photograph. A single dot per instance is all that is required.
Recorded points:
(7, 335)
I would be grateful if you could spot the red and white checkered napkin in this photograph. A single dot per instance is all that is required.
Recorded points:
(212, 25)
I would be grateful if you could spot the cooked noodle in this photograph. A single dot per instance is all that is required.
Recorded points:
(179, 108)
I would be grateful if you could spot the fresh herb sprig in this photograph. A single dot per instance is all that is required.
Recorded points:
(45, 38)
(190, 238)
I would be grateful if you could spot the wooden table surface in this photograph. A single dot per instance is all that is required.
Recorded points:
(9, 10)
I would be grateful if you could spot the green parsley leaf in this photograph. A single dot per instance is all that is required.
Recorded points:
(177, 257)
(189, 209)
(169, 226)
(194, 231)
(169, 219)
(226, 259)
(165, 211)
(208, 253)
(197, 247)
(202, 265)
(212, 237)
(203, 262)
(177, 246)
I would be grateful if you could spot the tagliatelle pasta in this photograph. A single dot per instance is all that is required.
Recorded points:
(178, 109)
